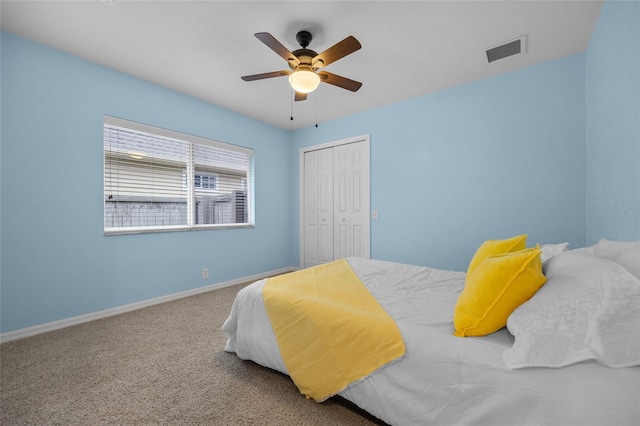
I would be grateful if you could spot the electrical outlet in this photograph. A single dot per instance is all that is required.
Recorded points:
(205, 273)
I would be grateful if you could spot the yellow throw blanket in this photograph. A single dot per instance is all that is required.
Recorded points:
(330, 329)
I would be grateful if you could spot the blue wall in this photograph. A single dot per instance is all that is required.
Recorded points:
(56, 262)
(613, 124)
(489, 159)
(545, 150)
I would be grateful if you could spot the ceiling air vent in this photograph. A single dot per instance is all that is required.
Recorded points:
(505, 50)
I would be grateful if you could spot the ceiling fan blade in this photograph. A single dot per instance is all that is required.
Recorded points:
(277, 47)
(300, 96)
(337, 51)
(339, 81)
(265, 75)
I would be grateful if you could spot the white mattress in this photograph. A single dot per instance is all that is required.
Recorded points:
(445, 379)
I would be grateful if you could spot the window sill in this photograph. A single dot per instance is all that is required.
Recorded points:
(145, 230)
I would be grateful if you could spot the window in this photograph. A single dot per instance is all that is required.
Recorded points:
(160, 180)
(201, 180)
(204, 181)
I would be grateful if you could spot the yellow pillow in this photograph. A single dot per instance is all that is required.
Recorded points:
(500, 284)
(489, 247)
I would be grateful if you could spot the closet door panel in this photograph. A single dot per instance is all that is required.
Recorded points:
(326, 202)
(311, 212)
(351, 174)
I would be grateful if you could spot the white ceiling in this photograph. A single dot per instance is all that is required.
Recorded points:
(201, 48)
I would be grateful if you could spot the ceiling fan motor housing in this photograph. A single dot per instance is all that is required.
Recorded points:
(305, 56)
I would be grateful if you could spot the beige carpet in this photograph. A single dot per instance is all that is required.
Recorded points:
(156, 366)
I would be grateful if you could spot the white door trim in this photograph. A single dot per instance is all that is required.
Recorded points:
(361, 138)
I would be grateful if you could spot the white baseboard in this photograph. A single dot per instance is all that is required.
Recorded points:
(50, 326)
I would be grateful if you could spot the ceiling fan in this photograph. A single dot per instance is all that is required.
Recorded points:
(304, 76)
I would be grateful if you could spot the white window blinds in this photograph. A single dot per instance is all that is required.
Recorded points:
(158, 179)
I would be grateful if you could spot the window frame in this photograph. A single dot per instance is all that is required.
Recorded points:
(249, 179)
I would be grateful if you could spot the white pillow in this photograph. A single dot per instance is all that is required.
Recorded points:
(625, 253)
(631, 261)
(607, 248)
(589, 309)
(551, 250)
(584, 250)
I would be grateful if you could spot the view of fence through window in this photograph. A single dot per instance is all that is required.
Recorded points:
(156, 179)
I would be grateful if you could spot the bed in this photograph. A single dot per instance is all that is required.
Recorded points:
(569, 355)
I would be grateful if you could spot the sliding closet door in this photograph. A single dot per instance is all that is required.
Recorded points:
(335, 202)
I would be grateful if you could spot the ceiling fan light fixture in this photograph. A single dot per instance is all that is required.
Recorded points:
(304, 81)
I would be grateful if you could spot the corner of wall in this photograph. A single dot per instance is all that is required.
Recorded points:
(612, 138)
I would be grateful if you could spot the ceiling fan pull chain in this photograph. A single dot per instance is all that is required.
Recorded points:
(317, 94)
(291, 103)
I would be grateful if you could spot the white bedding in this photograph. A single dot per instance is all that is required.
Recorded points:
(445, 379)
